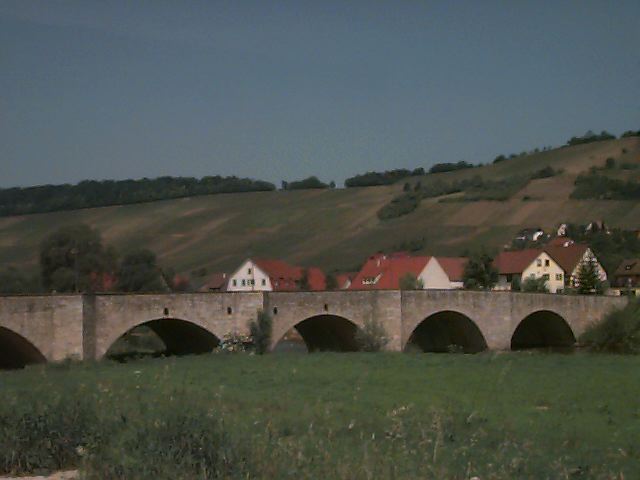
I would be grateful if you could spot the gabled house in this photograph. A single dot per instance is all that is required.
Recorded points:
(529, 263)
(627, 276)
(570, 255)
(273, 275)
(454, 268)
(559, 263)
(385, 271)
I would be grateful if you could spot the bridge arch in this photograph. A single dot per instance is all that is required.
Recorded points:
(446, 331)
(168, 336)
(16, 351)
(543, 329)
(323, 332)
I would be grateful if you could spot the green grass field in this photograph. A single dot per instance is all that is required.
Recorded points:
(338, 229)
(333, 416)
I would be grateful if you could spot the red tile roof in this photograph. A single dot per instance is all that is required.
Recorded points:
(567, 257)
(287, 277)
(390, 269)
(515, 261)
(453, 267)
(560, 242)
(215, 282)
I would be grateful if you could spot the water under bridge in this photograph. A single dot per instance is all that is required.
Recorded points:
(56, 327)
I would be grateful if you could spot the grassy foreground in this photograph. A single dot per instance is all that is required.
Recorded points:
(338, 416)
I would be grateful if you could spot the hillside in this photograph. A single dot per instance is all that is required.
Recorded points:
(337, 229)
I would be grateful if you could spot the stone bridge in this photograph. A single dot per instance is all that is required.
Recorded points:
(56, 327)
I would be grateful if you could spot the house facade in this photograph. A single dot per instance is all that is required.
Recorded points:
(530, 263)
(626, 279)
(558, 263)
(267, 275)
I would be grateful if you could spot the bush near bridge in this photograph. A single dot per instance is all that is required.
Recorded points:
(339, 416)
(619, 332)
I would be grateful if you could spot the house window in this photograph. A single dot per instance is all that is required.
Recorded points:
(235, 282)
(264, 282)
(275, 310)
(558, 276)
(249, 271)
(244, 282)
(545, 276)
(546, 263)
(539, 262)
(509, 277)
(229, 311)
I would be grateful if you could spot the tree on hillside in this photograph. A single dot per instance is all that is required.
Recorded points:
(588, 280)
(74, 259)
(139, 272)
(410, 282)
(479, 272)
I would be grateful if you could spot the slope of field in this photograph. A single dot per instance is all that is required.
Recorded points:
(337, 229)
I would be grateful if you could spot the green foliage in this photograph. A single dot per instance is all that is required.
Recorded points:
(303, 283)
(371, 179)
(307, 183)
(349, 416)
(15, 281)
(619, 332)
(590, 137)
(139, 272)
(479, 272)
(630, 133)
(93, 193)
(588, 280)
(372, 337)
(261, 331)
(546, 172)
(535, 285)
(450, 167)
(595, 186)
(331, 282)
(499, 158)
(516, 283)
(399, 206)
(410, 282)
(73, 258)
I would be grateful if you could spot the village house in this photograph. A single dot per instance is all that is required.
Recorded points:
(531, 263)
(268, 275)
(558, 263)
(570, 256)
(626, 279)
(385, 271)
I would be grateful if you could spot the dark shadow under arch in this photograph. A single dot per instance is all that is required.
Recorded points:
(165, 336)
(447, 331)
(320, 333)
(16, 351)
(543, 329)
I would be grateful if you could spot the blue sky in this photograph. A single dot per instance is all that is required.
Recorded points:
(283, 90)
